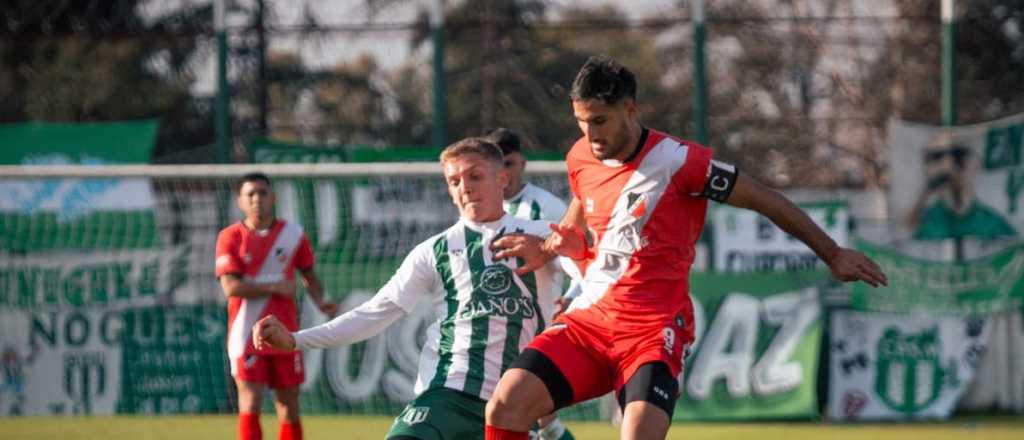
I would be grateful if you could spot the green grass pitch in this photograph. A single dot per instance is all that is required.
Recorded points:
(360, 428)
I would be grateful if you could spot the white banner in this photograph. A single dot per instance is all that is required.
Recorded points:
(746, 241)
(60, 363)
(958, 182)
(897, 367)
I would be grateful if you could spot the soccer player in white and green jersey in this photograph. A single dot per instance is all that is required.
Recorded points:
(486, 312)
(523, 199)
(531, 202)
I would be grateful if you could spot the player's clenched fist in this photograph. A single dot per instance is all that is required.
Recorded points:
(270, 332)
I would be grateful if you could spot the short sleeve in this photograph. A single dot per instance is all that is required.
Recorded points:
(701, 176)
(693, 175)
(227, 260)
(304, 259)
(414, 279)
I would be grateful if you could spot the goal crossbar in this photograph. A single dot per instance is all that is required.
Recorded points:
(236, 170)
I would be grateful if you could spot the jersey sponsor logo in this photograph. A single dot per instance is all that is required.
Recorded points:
(721, 180)
(415, 414)
(507, 306)
(496, 279)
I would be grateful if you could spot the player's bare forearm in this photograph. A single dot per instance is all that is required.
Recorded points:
(845, 264)
(574, 214)
(750, 194)
(316, 292)
(235, 286)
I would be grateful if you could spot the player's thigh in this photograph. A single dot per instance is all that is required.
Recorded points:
(648, 400)
(249, 395)
(644, 421)
(570, 368)
(440, 414)
(285, 370)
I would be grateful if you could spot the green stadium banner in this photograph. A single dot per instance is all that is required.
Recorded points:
(39, 214)
(985, 285)
(898, 367)
(758, 338)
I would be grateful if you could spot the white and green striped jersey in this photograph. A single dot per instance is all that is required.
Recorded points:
(535, 203)
(486, 313)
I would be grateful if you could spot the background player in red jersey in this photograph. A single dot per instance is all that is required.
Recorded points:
(640, 199)
(256, 262)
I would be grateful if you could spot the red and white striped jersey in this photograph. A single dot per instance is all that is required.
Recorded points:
(263, 256)
(644, 217)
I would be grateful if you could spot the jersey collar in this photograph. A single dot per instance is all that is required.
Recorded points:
(486, 226)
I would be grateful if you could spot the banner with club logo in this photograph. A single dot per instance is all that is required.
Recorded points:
(899, 367)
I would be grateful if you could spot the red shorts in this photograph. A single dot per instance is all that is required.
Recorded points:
(274, 370)
(598, 359)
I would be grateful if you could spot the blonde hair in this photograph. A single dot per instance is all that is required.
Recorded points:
(474, 145)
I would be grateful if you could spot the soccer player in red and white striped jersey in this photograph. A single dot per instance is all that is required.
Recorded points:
(640, 198)
(256, 262)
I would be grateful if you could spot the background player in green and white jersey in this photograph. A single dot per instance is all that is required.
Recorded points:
(486, 312)
(523, 199)
(528, 201)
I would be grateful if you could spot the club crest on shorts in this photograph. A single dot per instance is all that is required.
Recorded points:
(415, 414)
(496, 279)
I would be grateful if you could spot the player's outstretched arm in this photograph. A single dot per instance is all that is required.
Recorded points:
(845, 264)
(235, 286)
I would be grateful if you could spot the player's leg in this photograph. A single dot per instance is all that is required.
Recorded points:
(286, 375)
(439, 414)
(520, 398)
(552, 428)
(249, 400)
(648, 400)
(535, 384)
(250, 372)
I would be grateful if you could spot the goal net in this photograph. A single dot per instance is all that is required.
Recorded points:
(109, 304)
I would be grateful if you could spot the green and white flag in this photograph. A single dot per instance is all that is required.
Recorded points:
(756, 356)
(985, 285)
(38, 214)
(963, 181)
(897, 367)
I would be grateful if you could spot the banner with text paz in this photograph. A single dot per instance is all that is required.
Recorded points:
(756, 349)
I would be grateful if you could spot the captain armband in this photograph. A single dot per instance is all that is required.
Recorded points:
(721, 180)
